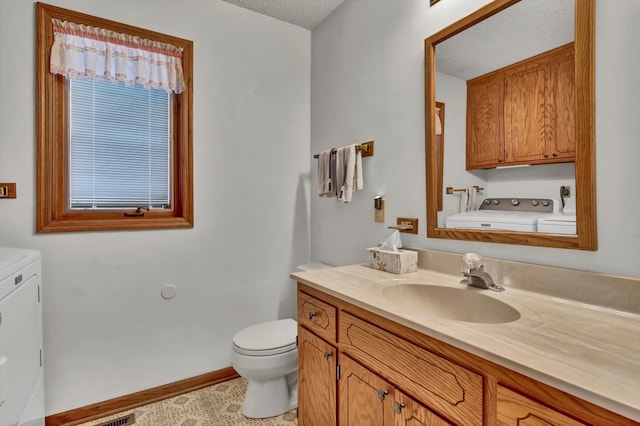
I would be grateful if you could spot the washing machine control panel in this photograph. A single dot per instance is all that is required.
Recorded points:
(541, 205)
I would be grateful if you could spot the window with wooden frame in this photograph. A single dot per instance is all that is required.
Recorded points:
(114, 151)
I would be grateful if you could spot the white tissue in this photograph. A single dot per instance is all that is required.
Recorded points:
(392, 243)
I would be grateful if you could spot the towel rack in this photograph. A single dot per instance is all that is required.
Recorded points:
(365, 147)
(450, 189)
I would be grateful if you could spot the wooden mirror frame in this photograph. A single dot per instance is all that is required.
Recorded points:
(585, 168)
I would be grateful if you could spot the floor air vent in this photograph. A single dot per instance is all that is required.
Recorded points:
(129, 419)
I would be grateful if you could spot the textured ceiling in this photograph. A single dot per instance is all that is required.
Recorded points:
(518, 32)
(303, 13)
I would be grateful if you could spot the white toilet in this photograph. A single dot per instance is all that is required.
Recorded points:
(266, 354)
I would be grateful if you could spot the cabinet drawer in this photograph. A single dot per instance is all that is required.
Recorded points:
(449, 389)
(317, 316)
(517, 409)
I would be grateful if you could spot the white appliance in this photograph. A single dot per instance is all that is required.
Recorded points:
(560, 223)
(21, 372)
(505, 214)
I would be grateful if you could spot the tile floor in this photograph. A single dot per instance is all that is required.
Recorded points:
(217, 405)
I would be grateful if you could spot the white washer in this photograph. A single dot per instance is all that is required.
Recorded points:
(496, 219)
(505, 214)
(21, 372)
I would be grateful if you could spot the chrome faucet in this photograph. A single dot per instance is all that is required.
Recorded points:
(475, 275)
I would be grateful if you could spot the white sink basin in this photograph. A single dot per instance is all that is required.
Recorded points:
(460, 304)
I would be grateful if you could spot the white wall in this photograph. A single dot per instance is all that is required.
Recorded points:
(452, 92)
(367, 82)
(108, 332)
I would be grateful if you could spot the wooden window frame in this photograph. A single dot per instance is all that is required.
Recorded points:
(52, 214)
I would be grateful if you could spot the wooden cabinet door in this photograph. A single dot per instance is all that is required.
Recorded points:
(485, 129)
(316, 381)
(523, 113)
(446, 387)
(515, 409)
(365, 398)
(562, 99)
(409, 412)
(525, 105)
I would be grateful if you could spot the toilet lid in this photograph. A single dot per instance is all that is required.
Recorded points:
(267, 338)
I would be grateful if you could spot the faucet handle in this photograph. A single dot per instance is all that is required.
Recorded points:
(472, 260)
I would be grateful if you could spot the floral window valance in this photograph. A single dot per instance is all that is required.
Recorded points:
(81, 51)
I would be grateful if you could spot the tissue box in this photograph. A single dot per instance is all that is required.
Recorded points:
(397, 262)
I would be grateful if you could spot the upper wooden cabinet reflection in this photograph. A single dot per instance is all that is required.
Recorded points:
(523, 113)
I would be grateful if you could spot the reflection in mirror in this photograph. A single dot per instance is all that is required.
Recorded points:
(519, 125)
(439, 131)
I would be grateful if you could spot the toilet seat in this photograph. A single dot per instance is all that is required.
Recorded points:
(267, 338)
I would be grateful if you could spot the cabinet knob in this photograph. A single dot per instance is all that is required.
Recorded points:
(545, 155)
(382, 393)
(310, 315)
(555, 154)
(398, 406)
(327, 355)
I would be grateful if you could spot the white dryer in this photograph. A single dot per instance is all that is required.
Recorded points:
(560, 223)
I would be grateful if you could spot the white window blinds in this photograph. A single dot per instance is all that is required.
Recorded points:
(119, 146)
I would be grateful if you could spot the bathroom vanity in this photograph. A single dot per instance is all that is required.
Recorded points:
(379, 348)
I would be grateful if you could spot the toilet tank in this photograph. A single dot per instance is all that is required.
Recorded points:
(311, 266)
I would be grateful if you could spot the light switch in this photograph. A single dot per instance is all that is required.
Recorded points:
(379, 206)
(7, 190)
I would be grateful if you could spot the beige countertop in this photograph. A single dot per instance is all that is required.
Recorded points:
(589, 351)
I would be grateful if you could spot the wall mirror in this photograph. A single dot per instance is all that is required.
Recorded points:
(534, 28)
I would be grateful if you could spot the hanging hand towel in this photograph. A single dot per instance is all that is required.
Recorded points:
(339, 172)
(464, 200)
(468, 199)
(358, 184)
(471, 200)
(324, 172)
(348, 178)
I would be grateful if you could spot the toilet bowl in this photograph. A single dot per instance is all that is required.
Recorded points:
(266, 355)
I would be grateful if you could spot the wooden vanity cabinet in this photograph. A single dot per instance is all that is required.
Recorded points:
(317, 383)
(367, 399)
(446, 387)
(318, 316)
(358, 368)
(524, 113)
(317, 362)
(411, 413)
(515, 409)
